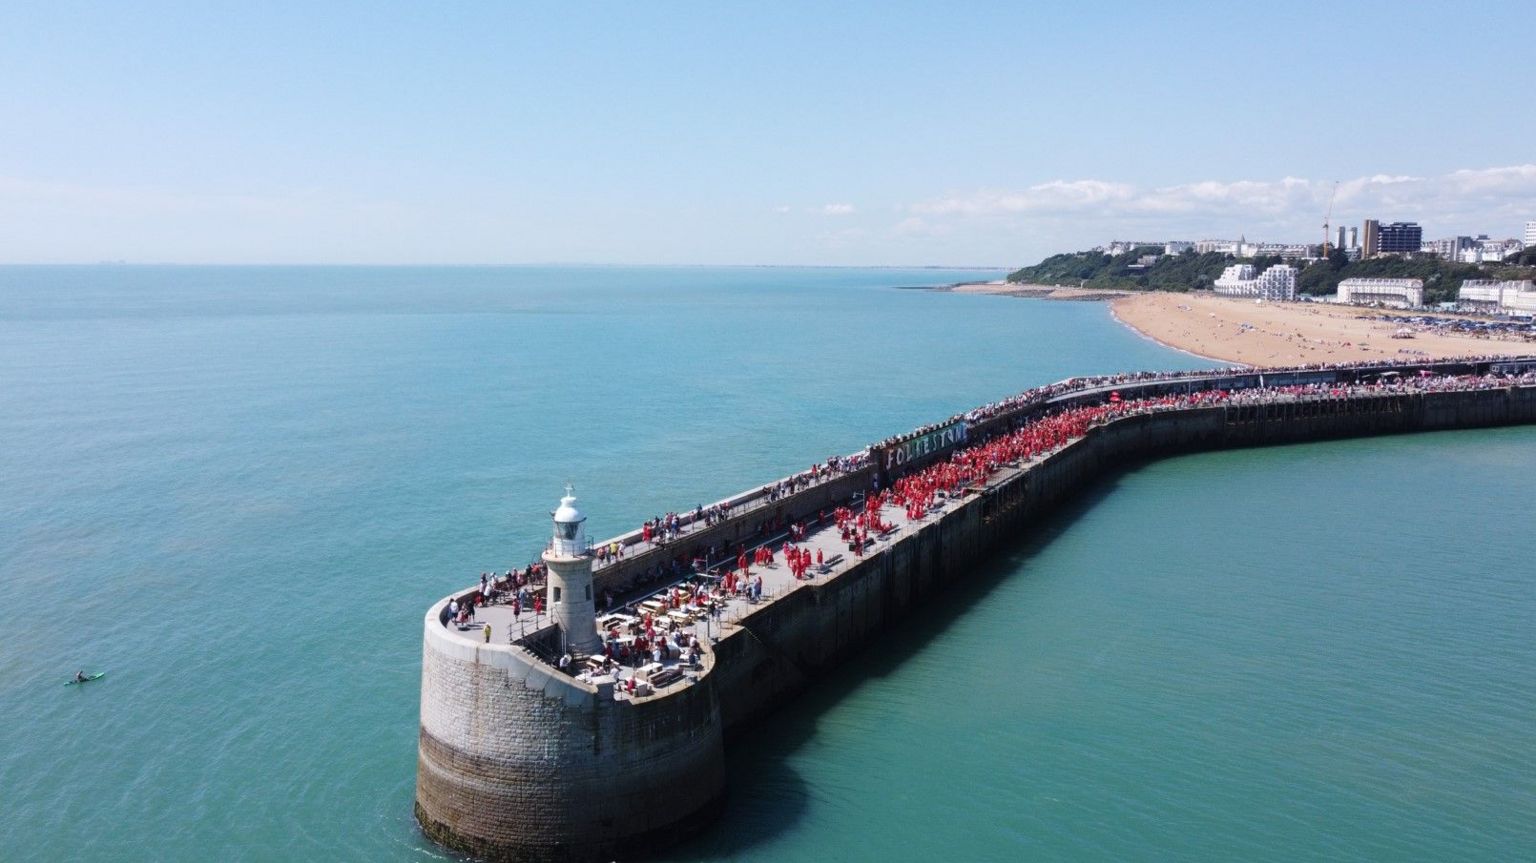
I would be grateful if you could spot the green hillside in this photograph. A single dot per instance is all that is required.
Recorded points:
(1193, 271)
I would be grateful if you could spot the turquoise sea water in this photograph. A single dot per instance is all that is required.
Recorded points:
(236, 490)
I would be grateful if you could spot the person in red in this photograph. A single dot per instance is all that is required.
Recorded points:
(818, 557)
(538, 604)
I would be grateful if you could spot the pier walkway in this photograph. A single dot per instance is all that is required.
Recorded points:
(697, 604)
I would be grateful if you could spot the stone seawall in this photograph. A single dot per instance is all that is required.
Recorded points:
(784, 644)
(519, 762)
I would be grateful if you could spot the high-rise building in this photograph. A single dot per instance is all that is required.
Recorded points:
(1530, 234)
(1400, 238)
(1354, 238)
(1370, 238)
(1340, 243)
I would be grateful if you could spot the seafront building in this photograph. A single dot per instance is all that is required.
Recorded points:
(1530, 234)
(1236, 281)
(1398, 293)
(1276, 283)
(1505, 298)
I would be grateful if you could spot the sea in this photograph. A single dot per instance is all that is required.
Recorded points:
(236, 490)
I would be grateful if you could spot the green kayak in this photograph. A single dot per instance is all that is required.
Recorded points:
(88, 678)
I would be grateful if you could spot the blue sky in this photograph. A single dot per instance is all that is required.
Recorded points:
(889, 133)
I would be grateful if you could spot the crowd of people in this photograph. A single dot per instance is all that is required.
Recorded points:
(859, 519)
(706, 580)
(1036, 397)
(523, 589)
(662, 530)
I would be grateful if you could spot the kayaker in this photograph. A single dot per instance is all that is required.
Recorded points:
(80, 676)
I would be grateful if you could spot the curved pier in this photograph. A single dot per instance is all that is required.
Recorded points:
(522, 761)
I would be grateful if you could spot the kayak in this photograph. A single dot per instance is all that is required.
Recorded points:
(88, 678)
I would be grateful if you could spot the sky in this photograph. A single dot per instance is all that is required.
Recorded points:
(954, 133)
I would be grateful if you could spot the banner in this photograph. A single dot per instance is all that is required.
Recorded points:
(937, 440)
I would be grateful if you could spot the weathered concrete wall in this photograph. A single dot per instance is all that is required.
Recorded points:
(784, 644)
(520, 762)
(517, 762)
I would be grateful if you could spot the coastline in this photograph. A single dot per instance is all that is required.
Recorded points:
(1243, 331)
(1113, 313)
(1003, 288)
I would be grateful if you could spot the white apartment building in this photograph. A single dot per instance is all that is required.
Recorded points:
(1482, 249)
(1449, 249)
(1225, 247)
(1512, 297)
(1530, 234)
(1121, 247)
(1399, 293)
(1276, 283)
(1177, 247)
(1244, 249)
(1237, 281)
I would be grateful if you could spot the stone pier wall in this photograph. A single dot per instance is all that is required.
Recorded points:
(519, 762)
(786, 643)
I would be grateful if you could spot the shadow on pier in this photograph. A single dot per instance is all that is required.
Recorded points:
(767, 796)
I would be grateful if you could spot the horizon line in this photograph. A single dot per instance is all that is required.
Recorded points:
(511, 265)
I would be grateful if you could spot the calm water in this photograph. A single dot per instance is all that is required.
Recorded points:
(236, 490)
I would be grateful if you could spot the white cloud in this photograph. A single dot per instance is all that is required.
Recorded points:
(837, 209)
(782, 208)
(1026, 224)
(1464, 194)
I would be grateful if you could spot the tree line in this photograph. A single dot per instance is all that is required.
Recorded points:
(1193, 271)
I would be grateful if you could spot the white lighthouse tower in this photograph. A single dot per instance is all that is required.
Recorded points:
(570, 580)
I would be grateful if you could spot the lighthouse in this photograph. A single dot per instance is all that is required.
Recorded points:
(569, 564)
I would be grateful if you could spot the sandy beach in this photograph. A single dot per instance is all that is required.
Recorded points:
(1285, 334)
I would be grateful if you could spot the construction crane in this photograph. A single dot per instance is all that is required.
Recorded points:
(1328, 216)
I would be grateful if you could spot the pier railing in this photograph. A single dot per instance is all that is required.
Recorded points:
(637, 557)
